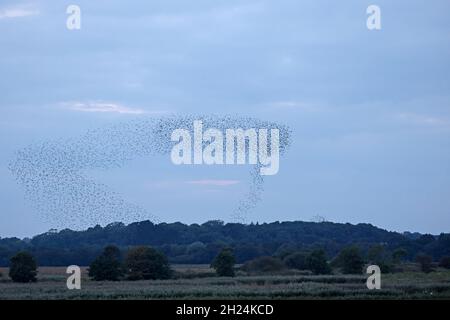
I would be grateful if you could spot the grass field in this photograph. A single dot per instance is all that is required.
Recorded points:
(198, 282)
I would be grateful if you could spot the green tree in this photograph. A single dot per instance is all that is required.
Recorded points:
(399, 255)
(297, 260)
(350, 260)
(264, 264)
(144, 263)
(377, 255)
(107, 266)
(224, 262)
(317, 262)
(445, 262)
(23, 268)
(425, 261)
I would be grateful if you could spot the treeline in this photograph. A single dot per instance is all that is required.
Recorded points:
(199, 244)
(147, 263)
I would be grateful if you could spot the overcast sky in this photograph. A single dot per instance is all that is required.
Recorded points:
(369, 110)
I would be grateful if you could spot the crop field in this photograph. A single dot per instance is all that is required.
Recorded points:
(199, 282)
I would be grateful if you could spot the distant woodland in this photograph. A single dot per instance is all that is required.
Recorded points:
(200, 243)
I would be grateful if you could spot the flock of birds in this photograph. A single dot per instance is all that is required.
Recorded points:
(54, 176)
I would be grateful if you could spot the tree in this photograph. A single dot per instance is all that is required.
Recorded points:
(144, 263)
(224, 262)
(350, 260)
(425, 261)
(399, 254)
(317, 262)
(426, 239)
(23, 268)
(264, 264)
(297, 260)
(107, 266)
(181, 242)
(445, 262)
(377, 255)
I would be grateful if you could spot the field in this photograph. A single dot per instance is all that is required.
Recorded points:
(198, 282)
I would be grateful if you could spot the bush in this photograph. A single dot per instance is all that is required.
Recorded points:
(377, 256)
(425, 261)
(264, 265)
(107, 266)
(297, 260)
(399, 255)
(350, 260)
(223, 263)
(317, 262)
(23, 268)
(385, 266)
(445, 262)
(376, 253)
(144, 263)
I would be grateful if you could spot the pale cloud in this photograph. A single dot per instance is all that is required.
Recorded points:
(165, 184)
(177, 184)
(293, 106)
(221, 15)
(216, 183)
(287, 104)
(171, 21)
(107, 107)
(17, 12)
(424, 120)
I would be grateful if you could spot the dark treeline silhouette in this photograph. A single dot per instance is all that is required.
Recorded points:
(196, 243)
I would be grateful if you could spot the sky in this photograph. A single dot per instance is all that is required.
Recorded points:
(369, 109)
